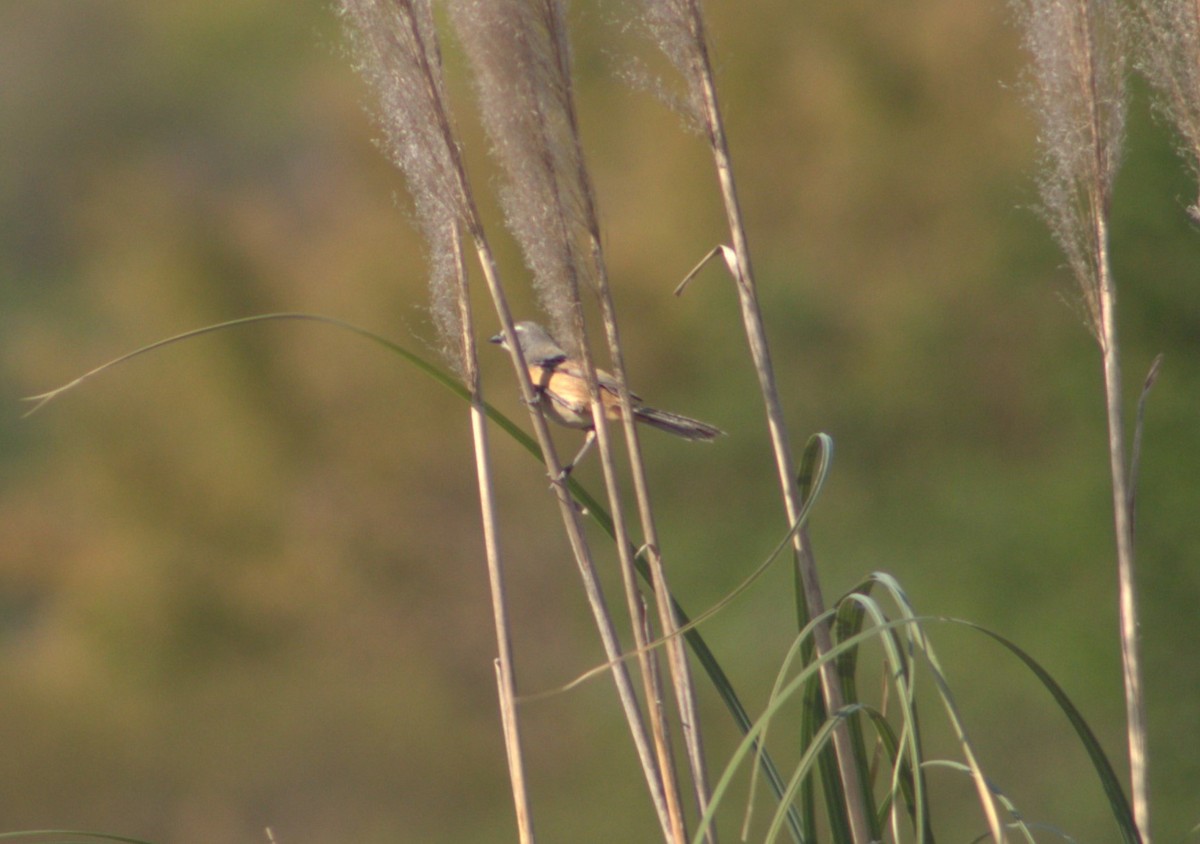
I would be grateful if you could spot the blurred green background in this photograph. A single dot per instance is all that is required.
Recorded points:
(241, 580)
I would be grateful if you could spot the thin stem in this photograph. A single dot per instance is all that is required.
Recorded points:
(1135, 705)
(647, 659)
(663, 771)
(676, 655)
(505, 673)
(1106, 295)
(580, 549)
(512, 750)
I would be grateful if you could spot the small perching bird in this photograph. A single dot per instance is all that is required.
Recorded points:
(562, 390)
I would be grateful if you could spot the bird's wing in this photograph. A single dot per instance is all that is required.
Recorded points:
(607, 383)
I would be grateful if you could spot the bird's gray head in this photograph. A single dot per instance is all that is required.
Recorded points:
(537, 345)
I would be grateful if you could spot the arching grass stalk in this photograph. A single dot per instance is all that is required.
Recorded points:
(817, 454)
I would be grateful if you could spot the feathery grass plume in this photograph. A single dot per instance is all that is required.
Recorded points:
(676, 27)
(520, 55)
(394, 46)
(1078, 96)
(1169, 57)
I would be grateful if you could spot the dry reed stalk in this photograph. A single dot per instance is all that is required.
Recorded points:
(677, 26)
(567, 509)
(506, 681)
(589, 223)
(582, 554)
(1078, 52)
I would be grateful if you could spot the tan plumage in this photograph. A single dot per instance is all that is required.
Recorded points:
(563, 393)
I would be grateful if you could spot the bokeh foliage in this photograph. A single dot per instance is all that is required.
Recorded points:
(241, 582)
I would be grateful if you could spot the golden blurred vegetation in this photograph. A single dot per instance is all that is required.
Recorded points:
(241, 580)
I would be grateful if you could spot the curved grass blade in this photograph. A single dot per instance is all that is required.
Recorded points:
(918, 642)
(904, 779)
(814, 468)
(851, 613)
(1019, 823)
(595, 510)
(794, 686)
(822, 741)
(755, 735)
(1109, 781)
(441, 376)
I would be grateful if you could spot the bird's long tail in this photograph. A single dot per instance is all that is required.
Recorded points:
(680, 426)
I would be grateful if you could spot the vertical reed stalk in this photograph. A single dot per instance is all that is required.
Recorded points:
(1078, 51)
(1135, 703)
(676, 655)
(521, 55)
(806, 566)
(568, 178)
(1169, 57)
(505, 673)
(581, 551)
(642, 629)
(397, 51)
(680, 27)
(677, 662)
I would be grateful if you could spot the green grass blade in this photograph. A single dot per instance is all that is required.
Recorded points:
(1109, 781)
(848, 621)
(810, 479)
(817, 749)
(784, 693)
(898, 644)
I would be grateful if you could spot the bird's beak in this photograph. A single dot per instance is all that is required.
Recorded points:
(498, 339)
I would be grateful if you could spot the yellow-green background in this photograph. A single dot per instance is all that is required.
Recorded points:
(241, 581)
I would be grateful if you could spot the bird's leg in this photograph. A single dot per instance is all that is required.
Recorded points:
(587, 444)
(538, 395)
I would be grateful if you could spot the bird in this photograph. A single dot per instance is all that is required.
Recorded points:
(561, 387)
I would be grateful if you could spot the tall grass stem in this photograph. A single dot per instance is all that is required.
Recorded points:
(701, 76)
